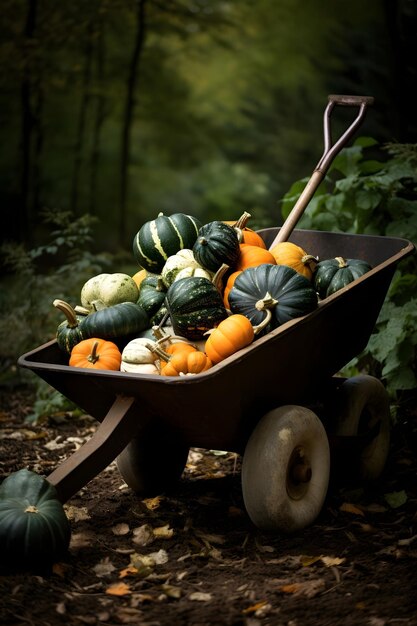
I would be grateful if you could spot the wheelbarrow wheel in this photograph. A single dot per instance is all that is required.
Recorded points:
(362, 415)
(285, 470)
(153, 462)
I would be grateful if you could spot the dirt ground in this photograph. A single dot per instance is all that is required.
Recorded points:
(193, 557)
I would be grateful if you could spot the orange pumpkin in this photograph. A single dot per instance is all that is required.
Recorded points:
(229, 284)
(139, 276)
(232, 334)
(186, 362)
(179, 347)
(288, 253)
(97, 354)
(251, 256)
(246, 235)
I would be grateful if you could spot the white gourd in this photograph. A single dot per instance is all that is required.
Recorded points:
(139, 368)
(190, 271)
(139, 351)
(175, 263)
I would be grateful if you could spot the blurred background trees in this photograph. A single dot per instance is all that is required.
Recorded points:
(121, 109)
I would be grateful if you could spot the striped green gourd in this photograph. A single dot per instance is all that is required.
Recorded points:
(162, 237)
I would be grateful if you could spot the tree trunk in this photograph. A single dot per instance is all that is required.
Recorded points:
(28, 122)
(85, 100)
(128, 115)
(98, 119)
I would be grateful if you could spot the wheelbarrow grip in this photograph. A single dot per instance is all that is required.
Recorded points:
(329, 153)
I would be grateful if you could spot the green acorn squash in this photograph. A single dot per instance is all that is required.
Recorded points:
(34, 530)
(69, 332)
(162, 237)
(277, 287)
(194, 305)
(117, 321)
(217, 243)
(152, 294)
(334, 274)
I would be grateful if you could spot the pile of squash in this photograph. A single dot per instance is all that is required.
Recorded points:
(202, 293)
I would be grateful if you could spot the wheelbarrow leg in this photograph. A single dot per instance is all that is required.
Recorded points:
(117, 429)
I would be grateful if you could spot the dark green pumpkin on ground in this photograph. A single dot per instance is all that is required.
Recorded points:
(162, 237)
(331, 275)
(34, 530)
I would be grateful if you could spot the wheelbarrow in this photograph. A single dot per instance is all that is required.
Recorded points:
(278, 402)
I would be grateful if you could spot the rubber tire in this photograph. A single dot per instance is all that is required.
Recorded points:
(271, 501)
(359, 397)
(152, 463)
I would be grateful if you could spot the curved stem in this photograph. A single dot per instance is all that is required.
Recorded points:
(68, 312)
(93, 357)
(267, 302)
(341, 261)
(257, 329)
(217, 279)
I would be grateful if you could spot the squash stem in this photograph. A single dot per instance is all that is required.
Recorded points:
(257, 329)
(310, 260)
(68, 312)
(93, 357)
(267, 302)
(341, 261)
(217, 279)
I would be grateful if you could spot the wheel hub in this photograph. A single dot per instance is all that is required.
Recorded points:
(299, 474)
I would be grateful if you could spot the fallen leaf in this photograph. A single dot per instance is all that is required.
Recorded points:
(163, 532)
(171, 591)
(309, 588)
(152, 503)
(118, 589)
(158, 558)
(331, 561)
(103, 567)
(396, 499)
(81, 540)
(143, 535)
(254, 607)
(200, 596)
(75, 513)
(128, 571)
(306, 561)
(120, 529)
(347, 507)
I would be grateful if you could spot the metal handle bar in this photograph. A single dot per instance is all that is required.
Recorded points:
(329, 153)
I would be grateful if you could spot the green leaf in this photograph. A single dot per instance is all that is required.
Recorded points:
(396, 499)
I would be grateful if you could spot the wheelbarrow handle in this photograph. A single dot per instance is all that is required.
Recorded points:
(330, 151)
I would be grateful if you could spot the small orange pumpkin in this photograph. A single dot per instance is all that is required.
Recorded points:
(185, 362)
(251, 256)
(288, 253)
(232, 334)
(97, 354)
(246, 235)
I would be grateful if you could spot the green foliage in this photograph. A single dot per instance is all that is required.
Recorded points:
(35, 277)
(368, 194)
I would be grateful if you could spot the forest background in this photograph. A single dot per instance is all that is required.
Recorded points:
(115, 110)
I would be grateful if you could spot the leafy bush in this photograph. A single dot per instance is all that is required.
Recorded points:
(364, 193)
(33, 278)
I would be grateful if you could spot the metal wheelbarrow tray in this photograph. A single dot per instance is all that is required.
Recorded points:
(221, 408)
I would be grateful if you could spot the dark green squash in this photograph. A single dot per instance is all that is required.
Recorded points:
(162, 237)
(152, 294)
(334, 274)
(117, 321)
(217, 243)
(194, 305)
(34, 530)
(69, 332)
(277, 287)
